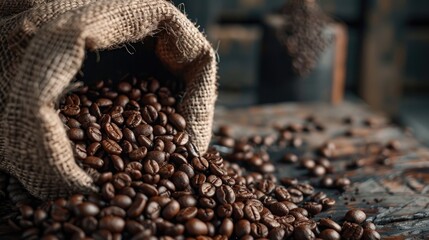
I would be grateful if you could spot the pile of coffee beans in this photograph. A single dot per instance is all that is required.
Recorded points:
(154, 184)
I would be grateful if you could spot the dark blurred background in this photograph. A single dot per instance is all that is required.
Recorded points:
(378, 54)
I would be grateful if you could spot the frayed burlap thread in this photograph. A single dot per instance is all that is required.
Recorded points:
(33, 142)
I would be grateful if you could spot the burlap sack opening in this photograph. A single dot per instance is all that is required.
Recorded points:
(33, 143)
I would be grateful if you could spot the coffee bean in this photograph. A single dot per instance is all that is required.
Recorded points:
(133, 169)
(153, 210)
(180, 180)
(149, 114)
(195, 227)
(138, 205)
(290, 158)
(225, 194)
(277, 233)
(329, 223)
(207, 189)
(76, 134)
(351, 231)
(243, 227)
(111, 147)
(227, 227)
(112, 223)
(200, 163)
(80, 151)
(94, 134)
(138, 154)
(330, 234)
(71, 110)
(370, 234)
(303, 233)
(355, 216)
(134, 120)
(279, 209)
(251, 212)
(87, 209)
(151, 166)
(368, 225)
(312, 207)
(206, 214)
(327, 203)
(93, 162)
(113, 131)
(177, 121)
(121, 180)
(122, 201)
(171, 210)
(186, 214)
(224, 211)
(258, 230)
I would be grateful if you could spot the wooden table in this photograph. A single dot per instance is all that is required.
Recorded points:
(395, 196)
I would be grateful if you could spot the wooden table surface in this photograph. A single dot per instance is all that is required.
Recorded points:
(395, 196)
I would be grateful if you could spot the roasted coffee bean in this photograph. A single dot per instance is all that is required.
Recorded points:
(227, 227)
(368, 225)
(258, 230)
(93, 162)
(329, 223)
(149, 114)
(224, 211)
(171, 210)
(80, 151)
(303, 233)
(188, 169)
(113, 131)
(93, 148)
(279, 209)
(243, 227)
(290, 158)
(355, 216)
(251, 212)
(122, 201)
(158, 156)
(342, 182)
(76, 134)
(94, 134)
(327, 203)
(112, 223)
(180, 180)
(277, 233)
(71, 110)
(121, 180)
(206, 214)
(312, 207)
(151, 166)
(111, 147)
(87, 209)
(153, 210)
(166, 171)
(134, 120)
(351, 231)
(200, 163)
(143, 129)
(225, 194)
(148, 189)
(138, 154)
(138, 205)
(207, 189)
(181, 138)
(177, 121)
(196, 227)
(330, 234)
(186, 214)
(370, 234)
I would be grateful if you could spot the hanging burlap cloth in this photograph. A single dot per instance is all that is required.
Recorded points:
(42, 47)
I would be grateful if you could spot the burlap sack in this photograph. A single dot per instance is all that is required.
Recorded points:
(41, 50)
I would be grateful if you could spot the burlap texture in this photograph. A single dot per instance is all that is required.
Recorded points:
(42, 49)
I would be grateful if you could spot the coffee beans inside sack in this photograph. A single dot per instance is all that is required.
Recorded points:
(153, 183)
